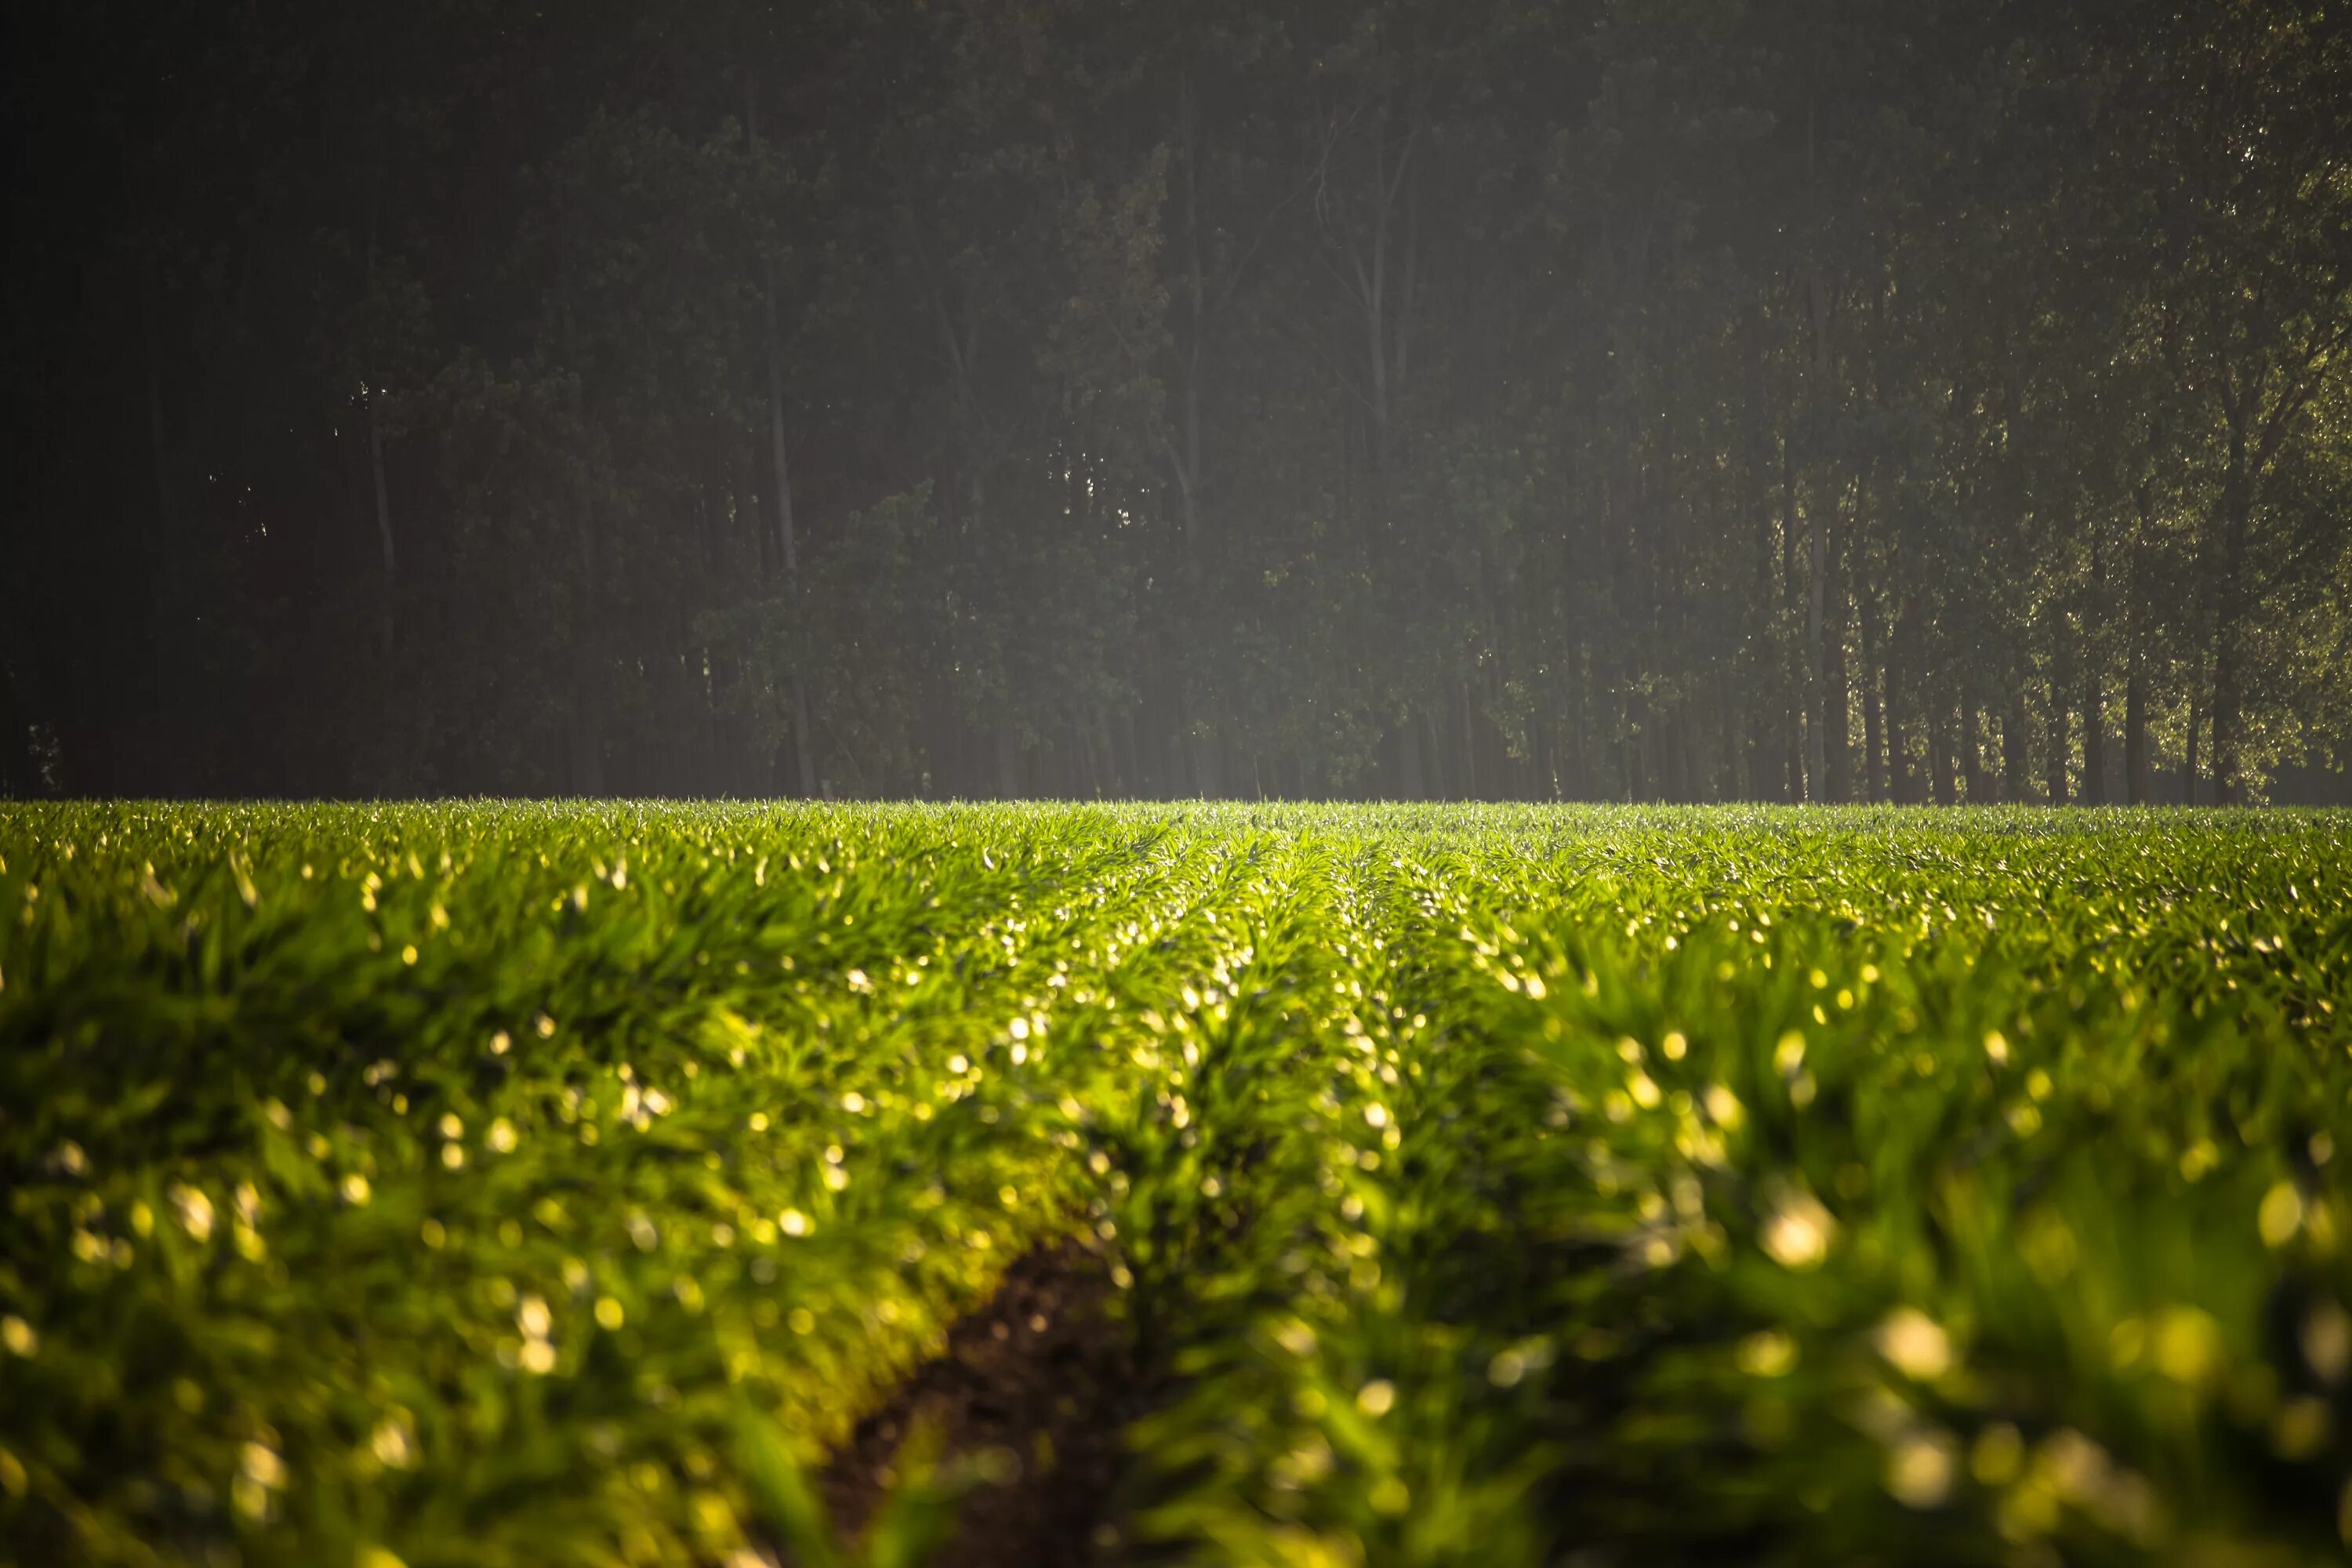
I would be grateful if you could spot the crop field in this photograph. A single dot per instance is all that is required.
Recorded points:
(490, 1184)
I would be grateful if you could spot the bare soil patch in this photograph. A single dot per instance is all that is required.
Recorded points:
(1041, 1381)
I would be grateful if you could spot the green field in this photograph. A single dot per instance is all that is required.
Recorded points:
(501, 1184)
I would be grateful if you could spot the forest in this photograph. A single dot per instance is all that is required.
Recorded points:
(1637, 400)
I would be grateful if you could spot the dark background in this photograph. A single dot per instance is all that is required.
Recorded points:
(1650, 399)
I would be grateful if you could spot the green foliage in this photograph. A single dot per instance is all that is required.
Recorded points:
(488, 1184)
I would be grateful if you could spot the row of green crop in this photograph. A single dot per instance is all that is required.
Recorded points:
(446, 1183)
(1888, 1190)
(463, 1184)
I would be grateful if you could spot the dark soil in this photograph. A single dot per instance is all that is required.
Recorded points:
(1038, 1385)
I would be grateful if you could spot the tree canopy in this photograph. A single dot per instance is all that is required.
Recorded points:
(1632, 399)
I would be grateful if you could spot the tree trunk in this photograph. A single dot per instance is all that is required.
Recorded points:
(2135, 759)
(2189, 755)
(2094, 698)
(1873, 753)
(1468, 773)
(1972, 753)
(1187, 462)
(2014, 768)
(1372, 287)
(2095, 739)
(1798, 691)
(2227, 702)
(2135, 771)
(1826, 737)
(1836, 721)
(1409, 775)
(804, 756)
(1940, 754)
(2060, 740)
(1816, 670)
(1899, 783)
(2229, 612)
(1874, 740)
(1764, 765)
(1005, 746)
(1577, 740)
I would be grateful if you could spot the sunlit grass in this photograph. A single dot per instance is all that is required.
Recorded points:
(454, 1183)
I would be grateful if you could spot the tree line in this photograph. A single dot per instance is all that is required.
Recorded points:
(1679, 400)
